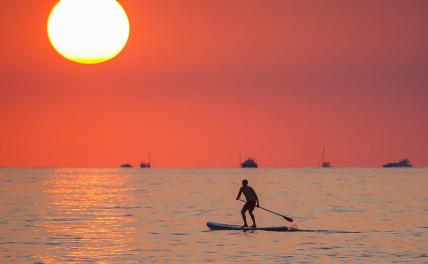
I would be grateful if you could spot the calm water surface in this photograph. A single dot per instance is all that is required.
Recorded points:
(136, 216)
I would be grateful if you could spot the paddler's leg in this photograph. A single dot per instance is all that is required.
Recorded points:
(252, 218)
(244, 208)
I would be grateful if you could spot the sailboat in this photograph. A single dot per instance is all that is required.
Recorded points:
(145, 165)
(324, 164)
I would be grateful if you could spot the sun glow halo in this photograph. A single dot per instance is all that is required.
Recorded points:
(88, 31)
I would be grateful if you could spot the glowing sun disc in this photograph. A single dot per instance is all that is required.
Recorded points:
(88, 31)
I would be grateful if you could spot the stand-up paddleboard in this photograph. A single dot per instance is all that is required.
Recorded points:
(219, 226)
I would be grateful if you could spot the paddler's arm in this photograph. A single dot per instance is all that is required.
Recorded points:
(239, 194)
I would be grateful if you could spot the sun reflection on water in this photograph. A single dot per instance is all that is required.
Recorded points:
(90, 212)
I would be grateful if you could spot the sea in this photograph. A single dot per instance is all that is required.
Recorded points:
(342, 215)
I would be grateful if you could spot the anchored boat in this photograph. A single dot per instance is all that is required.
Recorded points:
(404, 163)
(324, 164)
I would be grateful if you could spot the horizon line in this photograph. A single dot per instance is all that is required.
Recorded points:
(251, 169)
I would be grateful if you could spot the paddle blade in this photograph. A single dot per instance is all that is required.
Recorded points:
(288, 219)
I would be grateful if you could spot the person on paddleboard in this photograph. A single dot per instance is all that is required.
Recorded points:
(252, 202)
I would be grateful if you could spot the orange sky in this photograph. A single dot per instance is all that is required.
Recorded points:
(201, 81)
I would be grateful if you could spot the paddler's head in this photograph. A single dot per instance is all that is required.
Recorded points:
(244, 183)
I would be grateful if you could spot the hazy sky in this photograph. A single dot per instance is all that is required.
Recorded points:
(202, 81)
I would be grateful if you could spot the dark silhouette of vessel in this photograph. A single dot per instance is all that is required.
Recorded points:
(324, 164)
(249, 163)
(404, 163)
(126, 165)
(146, 165)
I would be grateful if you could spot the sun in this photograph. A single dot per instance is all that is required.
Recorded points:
(88, 31)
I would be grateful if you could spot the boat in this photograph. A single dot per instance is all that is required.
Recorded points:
(324, 164)
(145, 165)
(404, 163)
(249, 163)
(126, 165)
(219, 226)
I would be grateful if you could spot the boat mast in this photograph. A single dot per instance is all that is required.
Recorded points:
(323, 156)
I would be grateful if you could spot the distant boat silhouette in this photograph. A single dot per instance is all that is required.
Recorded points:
(145, 165)
(404, 163)
(324, 164)
(126, 165)
(249, 163)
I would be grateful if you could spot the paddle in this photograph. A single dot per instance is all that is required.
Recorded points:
(285, 217)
